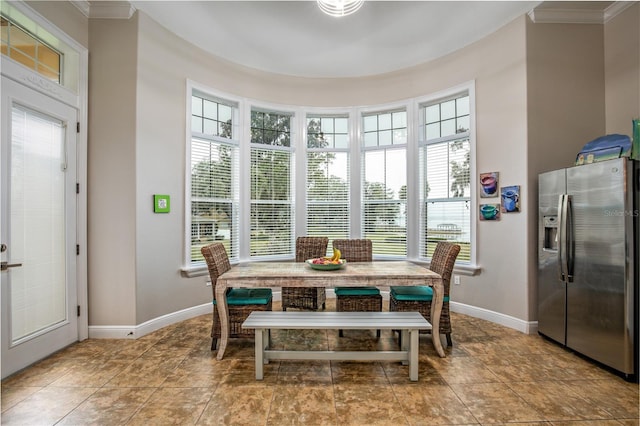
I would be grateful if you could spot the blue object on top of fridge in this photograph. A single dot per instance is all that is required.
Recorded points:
(604, 148)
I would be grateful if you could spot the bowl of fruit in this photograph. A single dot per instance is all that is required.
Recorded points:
(327, 263)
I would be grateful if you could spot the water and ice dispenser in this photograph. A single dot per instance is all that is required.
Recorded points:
(550, 233)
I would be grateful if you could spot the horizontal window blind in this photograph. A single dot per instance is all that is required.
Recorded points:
(328, 195)
(445, 196)
(271, 203)
(214, 196)
(384, 213)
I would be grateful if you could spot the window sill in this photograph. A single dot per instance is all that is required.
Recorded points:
(194, 271)
(459, 269)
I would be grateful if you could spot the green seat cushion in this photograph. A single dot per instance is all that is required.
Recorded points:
(248, 296)
(420, 293)
(357, 291)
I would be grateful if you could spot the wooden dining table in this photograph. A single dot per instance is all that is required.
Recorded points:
(300, 274)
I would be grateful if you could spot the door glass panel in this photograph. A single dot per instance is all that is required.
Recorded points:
(38, 288)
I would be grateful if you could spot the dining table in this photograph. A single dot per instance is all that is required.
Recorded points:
(354, 274)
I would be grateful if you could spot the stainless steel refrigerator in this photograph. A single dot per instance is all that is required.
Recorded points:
(588, 261)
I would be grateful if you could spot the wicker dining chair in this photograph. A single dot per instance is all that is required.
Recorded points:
(357, 299)
(418, 298)
(240, 301)
(306, 297)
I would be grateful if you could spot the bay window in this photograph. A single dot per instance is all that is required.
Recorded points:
(397, 170)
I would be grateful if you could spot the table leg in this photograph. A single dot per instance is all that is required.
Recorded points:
(436, 310)
(223, 313)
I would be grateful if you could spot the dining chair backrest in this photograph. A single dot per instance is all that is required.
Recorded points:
(355, 250)
(443, 261)
(217, 262)
(310, 248)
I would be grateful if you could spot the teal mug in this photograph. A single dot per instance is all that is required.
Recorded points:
(488, 211)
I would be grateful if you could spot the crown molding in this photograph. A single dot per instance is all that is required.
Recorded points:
(578, 15)
(616, 8)
(111, 9)
(566, 16)
(83, 6)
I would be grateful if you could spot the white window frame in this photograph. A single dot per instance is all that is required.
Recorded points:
(468, 88)
(198, 89)
(357, 221)
(245, 173)
(302, 192)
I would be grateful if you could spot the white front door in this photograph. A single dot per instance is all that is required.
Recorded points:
(37, 226)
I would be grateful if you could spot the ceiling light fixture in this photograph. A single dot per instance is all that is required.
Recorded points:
(339, 7)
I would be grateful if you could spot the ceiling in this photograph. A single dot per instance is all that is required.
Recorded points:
(295, 38)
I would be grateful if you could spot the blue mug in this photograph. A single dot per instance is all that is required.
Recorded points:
(509, 200)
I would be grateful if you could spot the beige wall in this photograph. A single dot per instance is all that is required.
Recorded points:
(565, 109)
(539, 90)
(165, 62)
(622, 70)
(65, 16)
(112, 172)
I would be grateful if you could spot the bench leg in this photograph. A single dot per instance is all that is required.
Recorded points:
(266, 342)
(404, 343)
(413, 356)
(259, 353)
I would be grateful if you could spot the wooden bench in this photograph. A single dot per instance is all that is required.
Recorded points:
(409, 324)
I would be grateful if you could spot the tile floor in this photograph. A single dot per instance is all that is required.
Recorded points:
(492, 375)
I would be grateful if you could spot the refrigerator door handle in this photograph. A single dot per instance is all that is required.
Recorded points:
(562, 237)
(570, 243)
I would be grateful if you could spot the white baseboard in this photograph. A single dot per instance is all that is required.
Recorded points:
(136, 331)
(527, 327)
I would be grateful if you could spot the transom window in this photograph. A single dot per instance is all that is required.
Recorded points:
(388, 128)
(210, 117)
(25, 48)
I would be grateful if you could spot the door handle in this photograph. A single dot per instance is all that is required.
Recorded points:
(562, 236)
(5, 265)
